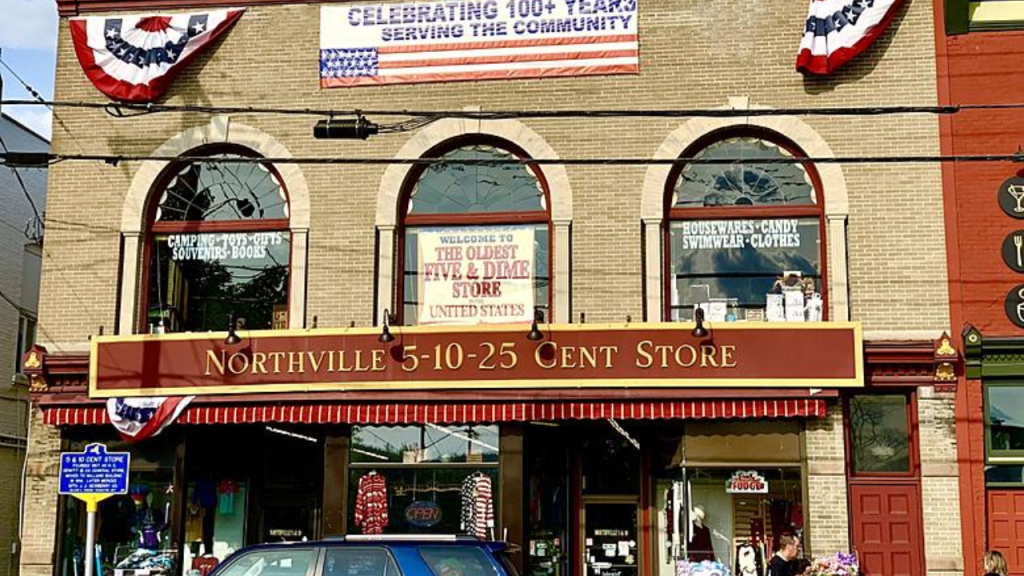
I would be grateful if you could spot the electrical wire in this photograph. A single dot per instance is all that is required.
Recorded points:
(36, 160)
(24, 190)
(39, 101)
(129, 109)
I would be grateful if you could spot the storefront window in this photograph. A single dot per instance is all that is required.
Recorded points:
(133, 530)
(476, 241)
(1004, 405)
(880, 434)
(424, 479)
(219, 246)
(745, 239)
(733, 516)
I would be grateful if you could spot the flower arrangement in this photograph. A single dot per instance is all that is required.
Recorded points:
(838, 564)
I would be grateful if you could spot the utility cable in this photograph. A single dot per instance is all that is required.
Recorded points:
(40, 101)
(24, 189)
(36, 160)
(129, 109)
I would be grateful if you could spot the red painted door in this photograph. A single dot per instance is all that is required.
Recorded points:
(887, 529)
(1006, 526)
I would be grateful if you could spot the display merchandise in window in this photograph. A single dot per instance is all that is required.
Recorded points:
(747, 270)
(132, 533)
(478, 506)
(198, 281)
(710, 525)
(423, 479)
(371, 513)
(215, 513)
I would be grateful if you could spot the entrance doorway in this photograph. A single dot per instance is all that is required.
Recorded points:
(884, 483)
(887, 529)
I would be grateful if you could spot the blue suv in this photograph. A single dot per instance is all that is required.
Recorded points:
(372, 556)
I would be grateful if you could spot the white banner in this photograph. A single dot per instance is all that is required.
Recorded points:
(452, 40)
(476, 275)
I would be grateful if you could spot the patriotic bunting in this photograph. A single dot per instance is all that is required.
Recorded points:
(140, 418)
(838, 30)
(135, 58)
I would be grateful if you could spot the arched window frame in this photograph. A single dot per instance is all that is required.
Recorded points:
(674, 214)
(406, 220)
(154, 228)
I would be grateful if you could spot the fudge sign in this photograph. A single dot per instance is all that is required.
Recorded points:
(746, 482)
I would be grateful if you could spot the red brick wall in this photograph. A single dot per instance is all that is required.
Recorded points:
(978, 68)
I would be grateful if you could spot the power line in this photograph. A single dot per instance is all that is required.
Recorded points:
(39, 101)
(128, 110)
(40, 159)
(24, 189)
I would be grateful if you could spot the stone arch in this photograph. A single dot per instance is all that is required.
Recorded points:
(219, 130)
(559, 189)
(833, 183)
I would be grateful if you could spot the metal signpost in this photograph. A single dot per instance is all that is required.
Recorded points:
(93, 476)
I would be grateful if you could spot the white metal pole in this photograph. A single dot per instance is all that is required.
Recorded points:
(90, 541)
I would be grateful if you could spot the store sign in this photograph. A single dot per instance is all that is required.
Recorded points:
(423, 514)
(451, 40)
(476, 275)
(724, 234)
(1014, 305)
(1011, 197)
(826, 354)
(1013, 250)
(746, 482)
(94, 471)
(230, 246)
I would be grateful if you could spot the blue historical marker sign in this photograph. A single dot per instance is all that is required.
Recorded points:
(94, 471)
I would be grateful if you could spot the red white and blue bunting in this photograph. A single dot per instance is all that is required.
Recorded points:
(140, 418)
(135, 58)
(838, 30)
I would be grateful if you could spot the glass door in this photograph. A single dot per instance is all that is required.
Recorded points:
(610, 538)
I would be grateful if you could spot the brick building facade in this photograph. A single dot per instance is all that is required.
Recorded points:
(881, 266)
(978, 50)
(19, 286)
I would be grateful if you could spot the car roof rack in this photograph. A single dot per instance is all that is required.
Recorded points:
(405, 538)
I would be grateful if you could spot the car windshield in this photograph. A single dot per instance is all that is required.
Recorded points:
(457, 561)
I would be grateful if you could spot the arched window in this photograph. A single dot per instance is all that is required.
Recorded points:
(218, 245)
(474, 238)
(745, 239)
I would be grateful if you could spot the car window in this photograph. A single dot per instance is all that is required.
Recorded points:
(457, 561)
(359, 562)
(277, 562)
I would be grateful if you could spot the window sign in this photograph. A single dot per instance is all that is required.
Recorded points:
(747, 269)
(746, 482)
(233, 246)
(476, 275)
(196, 281)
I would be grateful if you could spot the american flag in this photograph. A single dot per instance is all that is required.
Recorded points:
(557, 43)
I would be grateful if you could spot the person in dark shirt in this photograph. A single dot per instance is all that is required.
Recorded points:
(783, 563)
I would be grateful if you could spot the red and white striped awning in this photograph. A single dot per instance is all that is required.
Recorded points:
(463, 413)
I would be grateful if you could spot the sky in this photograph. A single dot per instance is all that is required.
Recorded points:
(28, 44)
